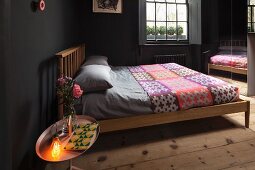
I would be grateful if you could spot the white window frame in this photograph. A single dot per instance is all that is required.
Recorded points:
(194, 27)
(252, 23)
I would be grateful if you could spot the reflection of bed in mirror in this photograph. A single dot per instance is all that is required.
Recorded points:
(231, 57)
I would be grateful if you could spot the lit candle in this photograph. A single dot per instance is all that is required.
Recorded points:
(55, 152)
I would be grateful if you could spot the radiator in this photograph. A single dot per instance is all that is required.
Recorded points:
(172, 58)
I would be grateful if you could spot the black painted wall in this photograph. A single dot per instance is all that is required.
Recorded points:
(5, 156)
(30, 70)
(113, 35)
(210, 21)
(148, 51)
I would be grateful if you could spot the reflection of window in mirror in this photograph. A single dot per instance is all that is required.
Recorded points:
(251, 15)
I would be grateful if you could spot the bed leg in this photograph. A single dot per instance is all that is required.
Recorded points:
(247, 115)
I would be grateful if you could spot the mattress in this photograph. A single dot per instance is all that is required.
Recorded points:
(156, 88)
(125, 98)
(234, 60)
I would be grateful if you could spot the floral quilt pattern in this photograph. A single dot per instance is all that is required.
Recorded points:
(172, 87)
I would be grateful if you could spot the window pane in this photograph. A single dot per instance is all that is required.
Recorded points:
(253, 14)
(182, 12)
(249, 27)
(182, 31)
(161, 12)
(252, 27)
(161, 31)
(150, 10)
(252, 2)
(249, 14)
(150, 30)
(160, 0)
(150, 0)
(171, 30)
(180, 1)
(171, 12)
(171, 1)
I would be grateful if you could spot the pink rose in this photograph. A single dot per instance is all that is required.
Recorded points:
(61, 81)
(77, 92)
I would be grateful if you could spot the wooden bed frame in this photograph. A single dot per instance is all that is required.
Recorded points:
(234, 43)
(69, 62)
(226, 68)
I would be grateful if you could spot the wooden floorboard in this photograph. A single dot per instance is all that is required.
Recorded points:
(210, 143)
(215, 158)
(165, 148)
(126, 149)
(245, 166)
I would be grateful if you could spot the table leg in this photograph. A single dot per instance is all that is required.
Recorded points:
(72, 167)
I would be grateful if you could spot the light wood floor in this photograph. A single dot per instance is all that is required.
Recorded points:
(212, 143)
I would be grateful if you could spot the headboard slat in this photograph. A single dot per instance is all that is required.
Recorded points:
(61, 64)
(69, 62)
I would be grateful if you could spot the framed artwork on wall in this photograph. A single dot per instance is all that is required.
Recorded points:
(107, 6)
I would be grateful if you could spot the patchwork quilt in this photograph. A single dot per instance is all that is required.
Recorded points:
(237, 61)
(172, 87)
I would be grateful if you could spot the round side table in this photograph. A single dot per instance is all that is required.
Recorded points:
(43, 143)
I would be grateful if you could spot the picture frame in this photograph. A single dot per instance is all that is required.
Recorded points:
(107, 6)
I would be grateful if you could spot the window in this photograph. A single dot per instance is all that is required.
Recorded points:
(251, 15)
(167, 20)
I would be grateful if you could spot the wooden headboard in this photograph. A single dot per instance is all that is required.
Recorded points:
(69, 62)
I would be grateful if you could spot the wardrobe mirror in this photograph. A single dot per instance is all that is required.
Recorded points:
(251, 47)
(240, 20)
(225, 24)
(218, 37)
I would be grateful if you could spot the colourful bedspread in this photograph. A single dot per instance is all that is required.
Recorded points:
(238, 61)
(172, 87)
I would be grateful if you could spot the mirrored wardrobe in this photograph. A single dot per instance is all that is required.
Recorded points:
(239, 58)
(225, 34)
(251, 47)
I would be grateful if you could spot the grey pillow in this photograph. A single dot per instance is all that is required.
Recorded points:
(94, 78)
(96, 60)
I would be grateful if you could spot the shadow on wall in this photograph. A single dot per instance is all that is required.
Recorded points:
(48, 114)
(48, 100)
(25, 125)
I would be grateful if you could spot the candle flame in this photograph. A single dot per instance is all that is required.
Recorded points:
(55, 150)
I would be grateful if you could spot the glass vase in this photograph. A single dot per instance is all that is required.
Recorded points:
(69, 122)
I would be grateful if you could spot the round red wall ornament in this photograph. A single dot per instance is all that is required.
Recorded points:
(41, 5)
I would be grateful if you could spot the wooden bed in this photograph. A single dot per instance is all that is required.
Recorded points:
(69, 62)
(228, 43)
(226, 68)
